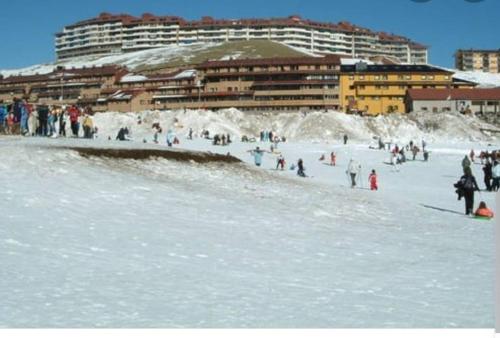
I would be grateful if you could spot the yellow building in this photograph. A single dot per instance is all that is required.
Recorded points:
(381, 89)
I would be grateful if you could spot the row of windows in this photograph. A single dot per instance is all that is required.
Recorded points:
(400, 77)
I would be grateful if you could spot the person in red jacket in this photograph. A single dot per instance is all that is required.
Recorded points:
(74, 113)
(484, 211)
(373, 180)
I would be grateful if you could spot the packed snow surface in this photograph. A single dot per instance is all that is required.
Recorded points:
(97, 242)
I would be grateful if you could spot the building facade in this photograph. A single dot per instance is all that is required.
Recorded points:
(478, 60)
(380, 89)
(465, 101)
(113, 34)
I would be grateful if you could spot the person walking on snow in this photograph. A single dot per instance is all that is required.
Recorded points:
(488, 174)
(372, 179)
(471, 155)
(345, 138)
(353, 170)
(466, 187)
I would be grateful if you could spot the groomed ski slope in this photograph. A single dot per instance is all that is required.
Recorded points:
(96, 242)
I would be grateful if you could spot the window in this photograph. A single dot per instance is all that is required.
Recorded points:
(351, 77)
(446, 77)
(408, 77)
(377, 77)
(424, 77)
(361, 77)
(385, 77)
(430, 77)
(362, 87)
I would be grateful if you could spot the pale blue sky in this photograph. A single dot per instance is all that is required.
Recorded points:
(27, 27)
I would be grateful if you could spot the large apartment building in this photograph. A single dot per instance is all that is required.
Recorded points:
(112, 34)
(478, 60)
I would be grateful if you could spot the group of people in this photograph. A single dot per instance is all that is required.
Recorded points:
(23, 118)
(467, 185)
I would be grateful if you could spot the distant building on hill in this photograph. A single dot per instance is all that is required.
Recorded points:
(113, 34)
(478, 60)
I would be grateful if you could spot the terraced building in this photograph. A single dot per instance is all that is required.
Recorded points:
(114, 34)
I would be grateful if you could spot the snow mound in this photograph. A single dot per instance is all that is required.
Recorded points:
(315, 126)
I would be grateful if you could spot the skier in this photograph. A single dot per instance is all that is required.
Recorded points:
(466, 187)
(190, 136)
(353, 169)
(333, 159)
(471, 155)
(280, 162)
(43, 115)
(372, 179)
(24, 117)
(257, 154)
(483, 211)
(424, 144)
(345, 139)
(74, 113)
(301, 169)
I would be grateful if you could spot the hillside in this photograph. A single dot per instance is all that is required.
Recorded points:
(173, 56)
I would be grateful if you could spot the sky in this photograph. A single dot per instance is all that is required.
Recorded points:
(443, 25)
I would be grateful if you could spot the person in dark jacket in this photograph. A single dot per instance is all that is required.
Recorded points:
(43, 115)
(488, 175)
(301, 169)
(466, 187)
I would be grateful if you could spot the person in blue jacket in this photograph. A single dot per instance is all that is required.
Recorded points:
(3, 116)
(170, 137)
(24, 117)
(257, 154)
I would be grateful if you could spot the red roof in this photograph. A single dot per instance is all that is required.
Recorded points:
(430, 94)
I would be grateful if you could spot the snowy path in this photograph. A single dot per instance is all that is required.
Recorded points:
(123, 243)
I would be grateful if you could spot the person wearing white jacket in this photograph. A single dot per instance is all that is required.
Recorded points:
(496, 176)
(353, 170)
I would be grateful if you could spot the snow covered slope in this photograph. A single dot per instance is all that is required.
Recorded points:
(172, 56)
(317, 126)
(97, 242)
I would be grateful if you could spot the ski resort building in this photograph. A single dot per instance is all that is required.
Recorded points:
(277, 84)
(478, 60)
(381, 89)
(477, 100)
(114, 34)
(63, 86)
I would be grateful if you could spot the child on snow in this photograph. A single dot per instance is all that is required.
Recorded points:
(333, 159)
(483, 211)
(372, 179)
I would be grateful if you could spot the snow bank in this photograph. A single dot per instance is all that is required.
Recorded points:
(316, 126)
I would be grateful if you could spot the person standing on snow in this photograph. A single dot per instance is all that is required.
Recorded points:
(466, 187)
(333, 159)
(300, 168)
(372, 179)
(345, 139)
(424, 144)
(466, 163)
(280, 162)
(170, 137)
(471, 155)
(353, 170)
(488, 174)
(496, 176)
(257, 154)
